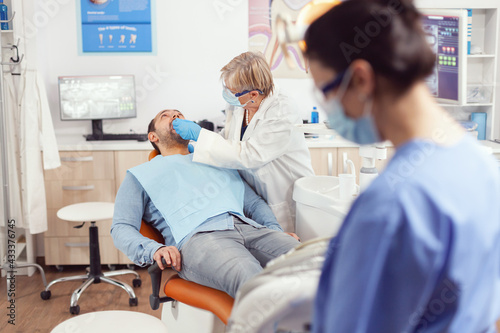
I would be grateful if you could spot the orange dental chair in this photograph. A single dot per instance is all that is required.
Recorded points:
(190, 307)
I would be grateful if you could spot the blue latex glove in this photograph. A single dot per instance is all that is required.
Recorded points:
(190, 148)
(188, 130)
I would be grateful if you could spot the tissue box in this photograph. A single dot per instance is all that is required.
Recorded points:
(480, 119)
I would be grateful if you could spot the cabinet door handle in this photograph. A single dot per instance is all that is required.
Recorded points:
(77, 159)
(76, 244)
(78, 188)
(330, 164)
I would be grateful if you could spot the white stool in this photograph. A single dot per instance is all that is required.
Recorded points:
(112, 321)
(92, 212)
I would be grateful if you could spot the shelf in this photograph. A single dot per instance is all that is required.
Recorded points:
(465, 105)
(480, 56)
(20, 246)
(7, 31)
(478, 104)
(19, 249)
(314, 128)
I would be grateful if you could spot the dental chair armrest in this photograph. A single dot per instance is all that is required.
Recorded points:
(155, 274)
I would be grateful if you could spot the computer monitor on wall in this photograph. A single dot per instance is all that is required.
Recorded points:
(96, 98)
(446, 33)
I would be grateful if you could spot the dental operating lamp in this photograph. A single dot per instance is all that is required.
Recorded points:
(288, 31)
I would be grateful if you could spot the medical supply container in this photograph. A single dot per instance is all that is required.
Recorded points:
(4, 16)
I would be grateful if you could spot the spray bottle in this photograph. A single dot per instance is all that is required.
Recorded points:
(368, 171)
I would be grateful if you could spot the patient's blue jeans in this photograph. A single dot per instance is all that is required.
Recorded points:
(226, 259)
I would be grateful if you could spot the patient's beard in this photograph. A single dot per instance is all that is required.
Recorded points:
(171, 139)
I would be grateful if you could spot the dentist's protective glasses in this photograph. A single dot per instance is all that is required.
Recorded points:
(243, 92)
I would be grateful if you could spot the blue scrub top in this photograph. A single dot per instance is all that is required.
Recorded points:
(420, 249)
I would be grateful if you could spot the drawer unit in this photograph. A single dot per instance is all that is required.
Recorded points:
(75, 250)
(83, 176)
(83, 165)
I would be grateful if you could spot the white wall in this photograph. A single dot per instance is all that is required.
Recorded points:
(195, 39)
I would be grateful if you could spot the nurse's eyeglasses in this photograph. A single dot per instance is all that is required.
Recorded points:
(333, 84)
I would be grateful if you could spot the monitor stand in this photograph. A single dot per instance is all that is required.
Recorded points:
(97, 133)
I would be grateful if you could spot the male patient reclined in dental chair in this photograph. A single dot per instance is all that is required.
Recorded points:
(218, 232)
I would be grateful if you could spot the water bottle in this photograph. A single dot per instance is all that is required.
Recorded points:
(314, 116)
(4, 16)
(314, 119)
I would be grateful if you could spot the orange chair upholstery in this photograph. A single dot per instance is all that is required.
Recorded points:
(187, 292)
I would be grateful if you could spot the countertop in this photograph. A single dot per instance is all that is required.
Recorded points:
(72, 143)
(75, 143)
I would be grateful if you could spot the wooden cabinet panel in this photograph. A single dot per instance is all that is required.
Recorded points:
(61, 193)
(75, 250)
(83, 165)
(324, 161)
(83, 176)
(125, 160)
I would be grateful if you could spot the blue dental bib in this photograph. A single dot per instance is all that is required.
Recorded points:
(188, 193)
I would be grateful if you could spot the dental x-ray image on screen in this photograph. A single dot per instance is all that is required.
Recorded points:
(97, 97)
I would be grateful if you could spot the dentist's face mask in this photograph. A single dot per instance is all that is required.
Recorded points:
(232, 99)
(362, 130)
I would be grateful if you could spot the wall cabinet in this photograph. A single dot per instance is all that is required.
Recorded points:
(84, 176)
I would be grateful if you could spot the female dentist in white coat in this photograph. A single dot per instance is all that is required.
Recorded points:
(258, 138)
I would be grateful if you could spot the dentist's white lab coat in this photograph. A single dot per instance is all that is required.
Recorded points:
(271, 156)
(29, 130)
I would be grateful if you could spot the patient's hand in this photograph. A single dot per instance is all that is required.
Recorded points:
(172, 257)
(293, 235)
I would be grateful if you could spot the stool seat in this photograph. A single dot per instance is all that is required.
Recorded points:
(92, 212)
(87, 212)
(112, 321)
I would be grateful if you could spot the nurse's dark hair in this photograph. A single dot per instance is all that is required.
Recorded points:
(387, 34)
(152, 128)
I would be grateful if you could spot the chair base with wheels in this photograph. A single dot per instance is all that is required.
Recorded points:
(191, 307)
(92, 211)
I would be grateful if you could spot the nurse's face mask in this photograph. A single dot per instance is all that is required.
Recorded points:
(232, 98)
(362, 130)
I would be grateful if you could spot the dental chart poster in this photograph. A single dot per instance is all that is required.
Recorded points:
(262, 35)
(116, 25)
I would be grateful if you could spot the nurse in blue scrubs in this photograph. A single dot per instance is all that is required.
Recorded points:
(420, 249)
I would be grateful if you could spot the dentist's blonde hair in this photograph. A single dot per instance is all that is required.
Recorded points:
(248, 71)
